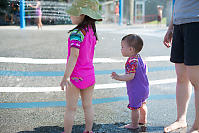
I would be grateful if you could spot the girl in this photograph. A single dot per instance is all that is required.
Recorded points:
(79, 76)
(38, 13)
(136, 80)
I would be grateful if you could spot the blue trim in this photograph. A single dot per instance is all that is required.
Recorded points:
(63, 103)
(61, 73)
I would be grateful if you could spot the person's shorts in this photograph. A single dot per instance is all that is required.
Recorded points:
(159, 18)
(185, 44)
(82, 82)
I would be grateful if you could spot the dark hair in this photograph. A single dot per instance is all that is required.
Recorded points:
(85, 23)
(134, 41)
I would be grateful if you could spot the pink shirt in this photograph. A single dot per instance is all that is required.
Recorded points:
(85, 41)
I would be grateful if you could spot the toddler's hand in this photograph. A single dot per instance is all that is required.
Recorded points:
(114, 75)
(64, 82)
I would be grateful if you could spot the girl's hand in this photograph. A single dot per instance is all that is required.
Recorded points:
(65, 82)
(168, 38)
(114, 75)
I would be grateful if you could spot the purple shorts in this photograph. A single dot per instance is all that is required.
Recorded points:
(136, 103)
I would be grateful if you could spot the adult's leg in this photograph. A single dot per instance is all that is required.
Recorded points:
(143, 114)
(86, 96)
(193, 74)
(183, 94)
(72, 95)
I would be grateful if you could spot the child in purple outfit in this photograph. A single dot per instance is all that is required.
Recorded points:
(136, 79)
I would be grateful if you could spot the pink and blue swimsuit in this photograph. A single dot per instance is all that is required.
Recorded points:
(83, 74)
(137, 88)
(38, 11)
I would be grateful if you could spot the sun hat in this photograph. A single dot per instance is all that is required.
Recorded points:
(86, 7)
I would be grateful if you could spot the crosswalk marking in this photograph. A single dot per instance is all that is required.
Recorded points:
(63, 61)
(97, 86)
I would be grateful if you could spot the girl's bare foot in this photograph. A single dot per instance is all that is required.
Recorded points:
(174, 126)
(130, 126)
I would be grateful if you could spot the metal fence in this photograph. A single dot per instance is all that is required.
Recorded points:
(134, 11)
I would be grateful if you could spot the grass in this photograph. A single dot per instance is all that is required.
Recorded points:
(155, 21)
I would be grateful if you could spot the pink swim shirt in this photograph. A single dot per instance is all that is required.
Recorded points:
(83, 74)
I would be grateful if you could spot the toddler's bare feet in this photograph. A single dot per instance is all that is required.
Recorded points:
(130, 126)
(142, 122)
(174, 126)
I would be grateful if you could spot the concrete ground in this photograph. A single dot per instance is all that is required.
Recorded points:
(31, 111)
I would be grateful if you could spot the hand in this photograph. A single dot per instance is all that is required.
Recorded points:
(114, 75)
(168, 38)
(65, 82)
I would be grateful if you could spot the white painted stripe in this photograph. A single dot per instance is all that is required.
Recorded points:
(97, 86)
(157, 58)
(51, 61)
(63, 61)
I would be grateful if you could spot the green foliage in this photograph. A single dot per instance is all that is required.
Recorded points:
(156, 22)
(151, 6)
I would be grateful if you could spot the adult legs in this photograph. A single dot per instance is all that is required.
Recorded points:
(193, 74)
(72, 95)
(183, 94)
(86, 96)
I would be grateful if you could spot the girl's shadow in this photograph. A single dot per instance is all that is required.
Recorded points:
(97, 128)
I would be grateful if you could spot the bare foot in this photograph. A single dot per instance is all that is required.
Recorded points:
(142, 122)
(130, 126)
(174, 126)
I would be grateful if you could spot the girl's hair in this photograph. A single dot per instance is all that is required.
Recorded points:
(134, 41)
(85, 23)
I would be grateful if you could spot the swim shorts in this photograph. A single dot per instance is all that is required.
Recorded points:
(185, 44)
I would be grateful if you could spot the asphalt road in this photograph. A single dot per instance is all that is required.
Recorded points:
(43, 112)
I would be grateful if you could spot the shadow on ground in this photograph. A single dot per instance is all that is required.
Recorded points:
(97, 128)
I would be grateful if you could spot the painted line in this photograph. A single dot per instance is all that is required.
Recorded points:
(63, 103)
(97, 86)
(61, 73)
(63, 61)
(52, 61)
(157, 58)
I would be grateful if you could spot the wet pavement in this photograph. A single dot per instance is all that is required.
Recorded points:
(32, 111)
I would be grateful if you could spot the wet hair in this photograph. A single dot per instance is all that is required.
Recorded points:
(134, 41)
(85, 23)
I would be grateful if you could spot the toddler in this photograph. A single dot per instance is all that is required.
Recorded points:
(136, 79)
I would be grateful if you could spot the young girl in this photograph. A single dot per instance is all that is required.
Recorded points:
(38, 13)
(136, 79)
(79, 76)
